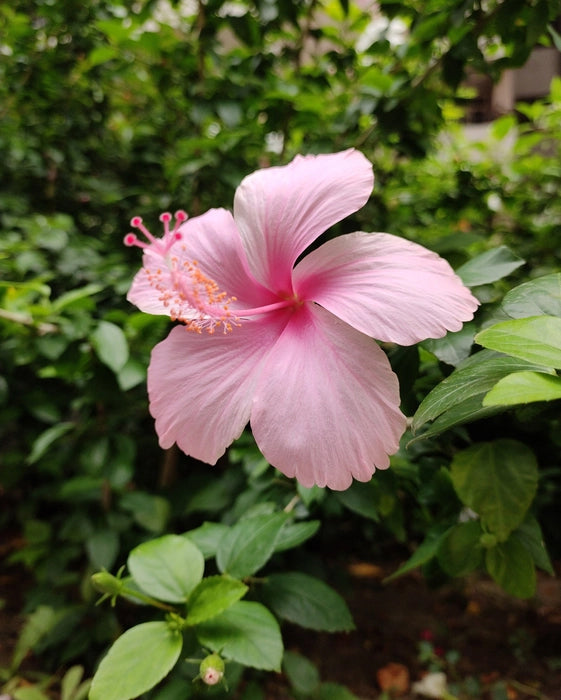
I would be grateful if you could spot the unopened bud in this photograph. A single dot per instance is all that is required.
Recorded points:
(105, 582)
(211, 670)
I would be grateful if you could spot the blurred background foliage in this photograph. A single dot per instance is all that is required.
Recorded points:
(113, 108)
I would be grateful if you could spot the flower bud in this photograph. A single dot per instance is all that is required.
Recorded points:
(211, 670)
(105, 582)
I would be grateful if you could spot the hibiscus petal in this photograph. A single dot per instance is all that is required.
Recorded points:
(326, 406)
(389, 288)
(201, 386)
(213, 240)
(143, 295)
(281, 210)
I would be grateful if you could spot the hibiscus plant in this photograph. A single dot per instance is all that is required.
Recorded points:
(273, 330)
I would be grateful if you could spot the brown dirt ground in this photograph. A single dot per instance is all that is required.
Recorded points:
(497, 637)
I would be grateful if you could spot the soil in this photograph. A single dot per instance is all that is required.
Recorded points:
(498, 641)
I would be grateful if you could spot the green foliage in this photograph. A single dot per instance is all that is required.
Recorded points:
(138, 660)
(498, 481)
(167, 574)
(307, 601)
(247, 633)
(168, 568)
(249, 544)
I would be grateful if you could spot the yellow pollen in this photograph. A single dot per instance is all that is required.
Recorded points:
(191, 297)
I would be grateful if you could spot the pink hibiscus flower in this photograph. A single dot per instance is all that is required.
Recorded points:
(285, 345)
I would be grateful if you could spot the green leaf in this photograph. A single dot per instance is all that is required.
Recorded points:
(301, 673)
(69, 298)
(426, 551)
(459, 398)
(293, 534)
(501, 126)
(212, 596)
(167, 568)
(150, 512)
(246, 633)
(523, 387)
(70, 687)
(530, 535)
(102, 547)
(489, 267)
(207, 537)
(131, 374)
(511, 565)
(110, 345)
(361, 498)
(99, 55)
(498, 480)
(136, 662)
(453, 348)
(541, 296)
(249, 544)
(36, 626)
(335, 691)
(46, 439)
(460, 551)
(30, 692)
(536, 339)
(307, 602)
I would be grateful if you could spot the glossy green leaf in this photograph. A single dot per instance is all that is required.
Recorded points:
(498, 480)
(29, 692)
(335, 691)
(131, 374)
(459, 398)
(307, 602)
(149, 511)
(426, 551)
(75, 295)
(361, 498)
(489, 267)
(246, 633)
(301, 673)
(453, 348)
(46, 439)
(249, 544)
(530, 535)
(524, 387)
(207, 537)
(102, 547)
(167, 568)
(110, 345)
(536, 339)
(37, 624)
(71, 685)
(534, 298)
(460, 551)
(136, 662)
(212, 596)
(294, 534)
(511, 565)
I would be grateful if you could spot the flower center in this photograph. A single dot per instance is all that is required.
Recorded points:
(190, 296)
